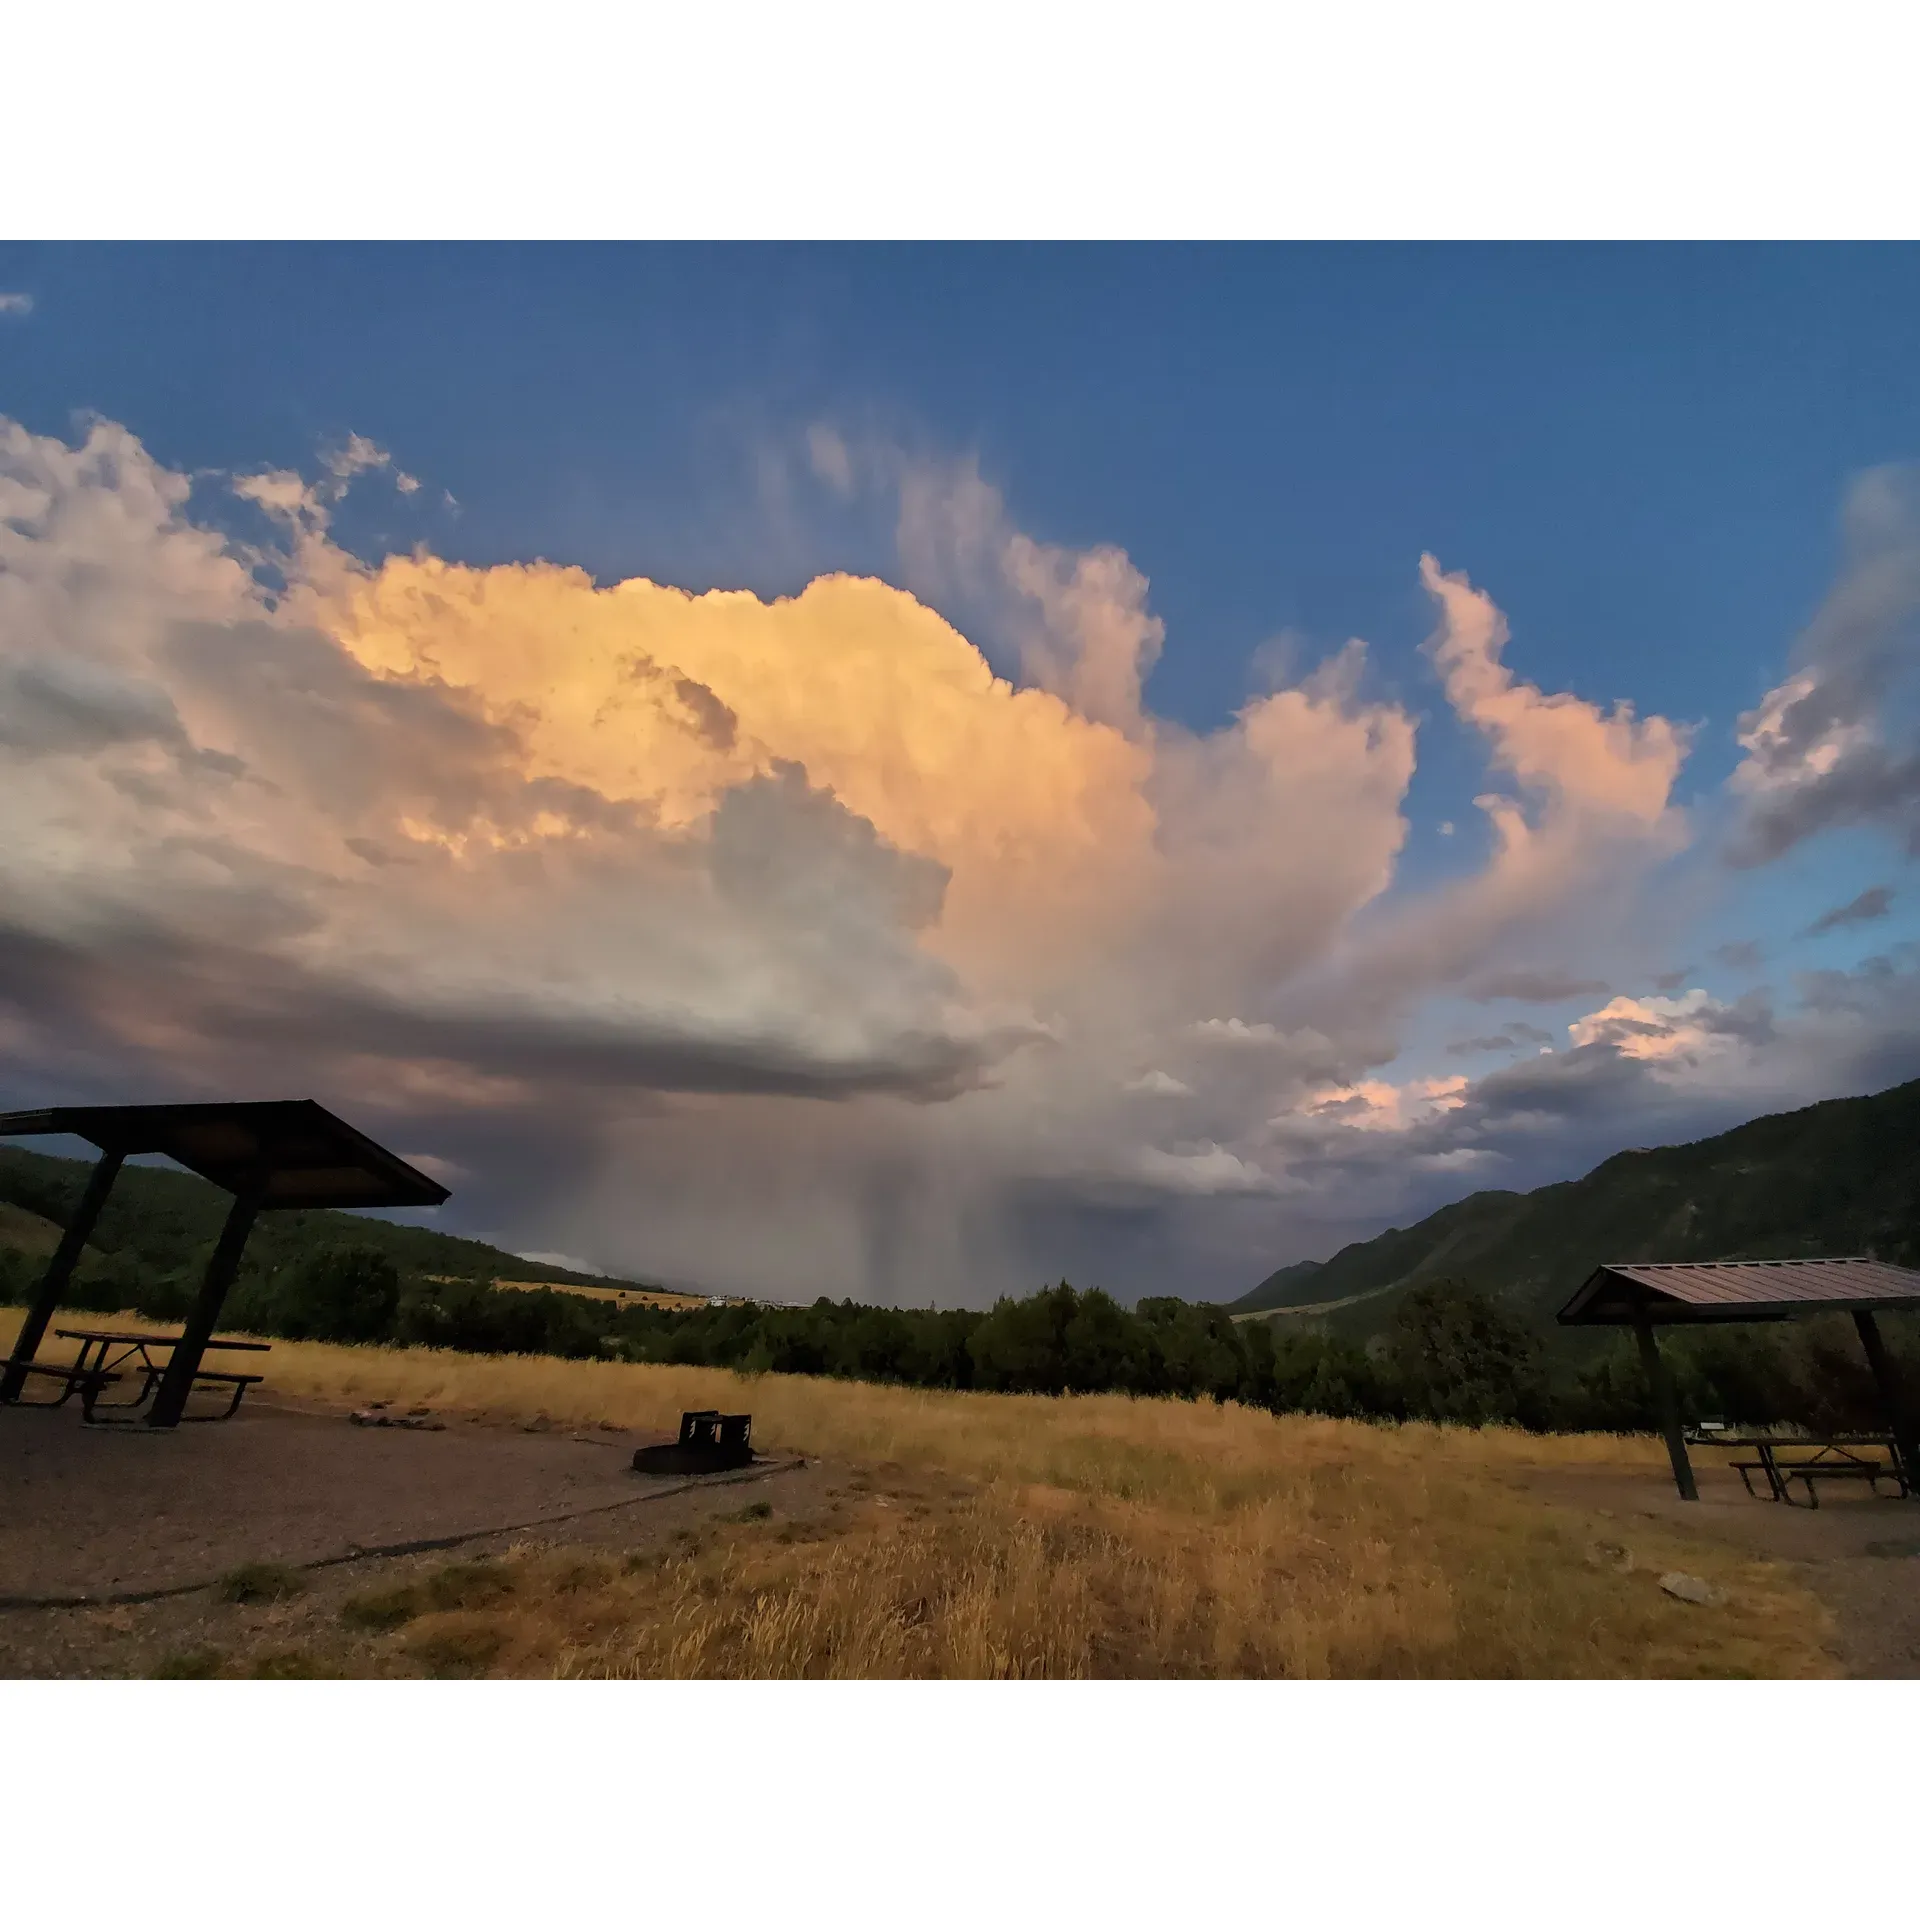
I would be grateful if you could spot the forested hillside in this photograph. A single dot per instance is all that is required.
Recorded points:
(1841, 1177)
(167, 1221)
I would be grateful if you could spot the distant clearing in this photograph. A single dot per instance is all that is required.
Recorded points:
(621, 1296)
(1316, 1306)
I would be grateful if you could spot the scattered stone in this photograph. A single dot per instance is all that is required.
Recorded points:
(1683, 1586)
(1610, 1553)
(377, 1416)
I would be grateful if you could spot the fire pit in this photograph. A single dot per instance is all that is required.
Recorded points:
(709, 1443)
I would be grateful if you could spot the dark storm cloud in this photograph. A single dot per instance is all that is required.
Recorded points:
(1516, 1033)
(1838, 741)
(1543, 986)
(1870, 905)
(235, 1005)
(50, 704)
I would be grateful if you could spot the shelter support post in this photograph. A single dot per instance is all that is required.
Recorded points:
(53, 1283)
(1888, 1382)
(177, 1382)
(1665, 1404)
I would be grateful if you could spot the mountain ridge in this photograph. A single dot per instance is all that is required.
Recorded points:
(1836, 1177)
(168, 1219)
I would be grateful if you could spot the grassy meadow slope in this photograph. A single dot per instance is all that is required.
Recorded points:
(1837, 1178)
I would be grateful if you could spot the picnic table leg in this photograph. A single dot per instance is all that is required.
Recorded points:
(59, 1271)
(171, 1401)
(1667, 1406)
(1774, 1479)
(1888, 1382)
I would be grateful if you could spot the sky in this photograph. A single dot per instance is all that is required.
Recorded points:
(910, 772)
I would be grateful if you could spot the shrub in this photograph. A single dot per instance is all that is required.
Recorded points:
(385, 1608)
(195, 1663)
(343, 1293)
(467, 1583)
(1463, 1357)
(259, 1580)
(456, 1649)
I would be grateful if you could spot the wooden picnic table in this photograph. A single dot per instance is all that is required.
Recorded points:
(1837, 1456)
(108, 1354)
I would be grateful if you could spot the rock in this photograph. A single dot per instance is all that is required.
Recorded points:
(1610, 1553)
(1683, 1586)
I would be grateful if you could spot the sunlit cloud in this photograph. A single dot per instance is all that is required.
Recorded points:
(820, 942)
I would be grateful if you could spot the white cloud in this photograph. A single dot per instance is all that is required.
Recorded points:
(17, 304)
(1154, 1081)
(1381, 1105)
(1204, 1169)
(1838, 740)
(566, 1262)
(784, 944)
(1654, 1028)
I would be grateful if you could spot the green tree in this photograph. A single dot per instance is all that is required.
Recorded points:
(339, 1292)
(1463, 1357)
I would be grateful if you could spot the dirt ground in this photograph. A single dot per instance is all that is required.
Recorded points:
(267, 1546)
(122, 1520)
(1858, 1551)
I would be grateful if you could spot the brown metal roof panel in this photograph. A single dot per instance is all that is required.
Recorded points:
(1774, 1282)
(294, 1152)
(1732, 1289)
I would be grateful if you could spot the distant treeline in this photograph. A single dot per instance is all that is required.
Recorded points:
(1452, 1353)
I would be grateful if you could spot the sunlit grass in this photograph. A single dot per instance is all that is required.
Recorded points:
(1079, 1536)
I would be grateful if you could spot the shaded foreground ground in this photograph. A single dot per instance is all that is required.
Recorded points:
(927, 1534)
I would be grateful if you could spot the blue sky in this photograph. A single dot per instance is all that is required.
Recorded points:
(1641, 453)
(1269, 432)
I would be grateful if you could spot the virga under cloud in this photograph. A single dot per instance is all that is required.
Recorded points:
(789, 944)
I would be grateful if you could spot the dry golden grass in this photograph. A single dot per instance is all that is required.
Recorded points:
(1091, 1536)
(621, 1296)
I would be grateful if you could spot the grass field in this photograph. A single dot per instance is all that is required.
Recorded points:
(1101, 1536)
(621, 1296)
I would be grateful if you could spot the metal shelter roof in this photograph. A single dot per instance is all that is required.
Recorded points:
(291, 1153)
(1682, 1292)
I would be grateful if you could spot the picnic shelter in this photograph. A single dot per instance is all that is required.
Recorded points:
(270, 1155)
(1719, 1292)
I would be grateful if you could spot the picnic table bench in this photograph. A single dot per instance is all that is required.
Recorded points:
(111, 1357)
(1840, 1456)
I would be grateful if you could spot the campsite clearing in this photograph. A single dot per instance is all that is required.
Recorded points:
(950, 1534)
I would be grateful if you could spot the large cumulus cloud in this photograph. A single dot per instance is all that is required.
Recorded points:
(798, 944)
